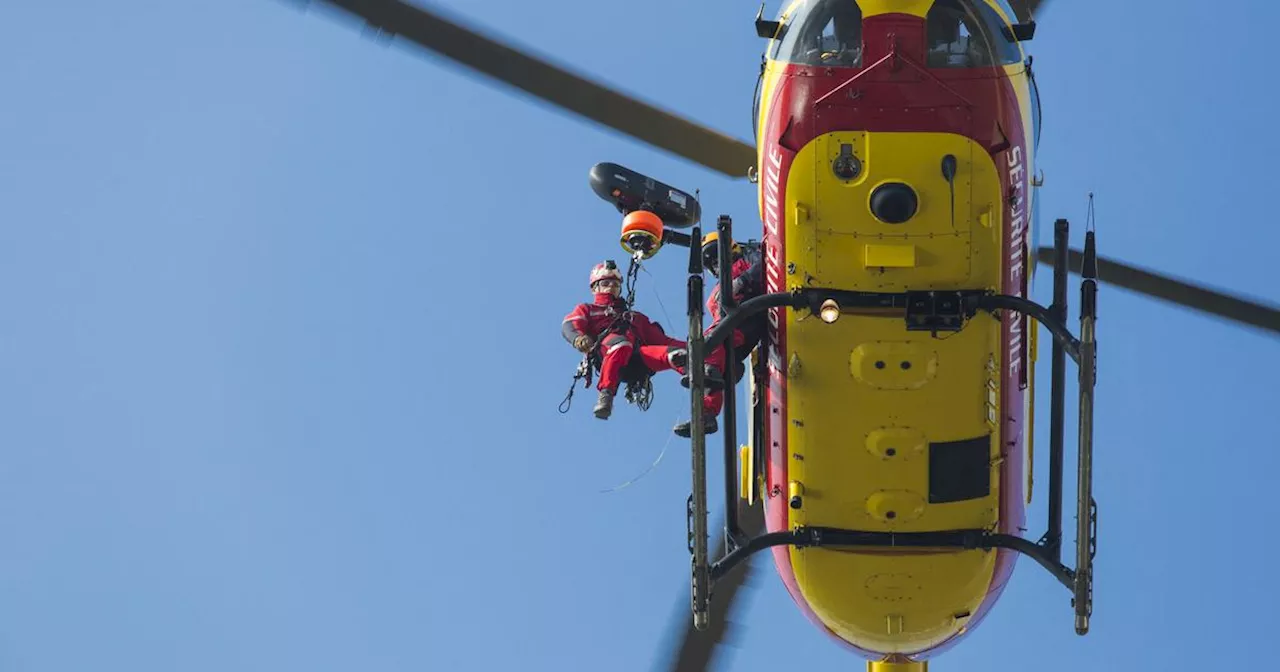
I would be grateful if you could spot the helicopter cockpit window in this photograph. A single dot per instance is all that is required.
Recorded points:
(822, 33)
(968, 34)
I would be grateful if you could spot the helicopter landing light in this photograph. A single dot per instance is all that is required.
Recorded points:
(830, 311)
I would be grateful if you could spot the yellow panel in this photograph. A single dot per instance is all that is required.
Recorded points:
(897, 443)
(953, 238)
(929, 595)
(890, 256)
(839, 397)
(864, 385)
(902, 506)
(913, 158)
(918, 8)
(942, 262)
(893, 366)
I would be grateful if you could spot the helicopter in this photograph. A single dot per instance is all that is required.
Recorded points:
(888, 462)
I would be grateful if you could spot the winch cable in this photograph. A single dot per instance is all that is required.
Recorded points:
(633, 270)
(658, 296)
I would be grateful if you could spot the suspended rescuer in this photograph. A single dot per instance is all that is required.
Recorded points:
(618, 335)
(746, 278)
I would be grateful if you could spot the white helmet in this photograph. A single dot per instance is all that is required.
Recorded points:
(606, 270)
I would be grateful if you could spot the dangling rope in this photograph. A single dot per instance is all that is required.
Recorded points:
(584, 374)
(640, 393)
(633, 271)
(644, 473)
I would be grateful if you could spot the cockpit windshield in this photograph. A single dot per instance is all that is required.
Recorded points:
(968, 34)
(822, 33)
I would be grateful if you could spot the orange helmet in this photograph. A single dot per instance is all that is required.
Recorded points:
(711, 252)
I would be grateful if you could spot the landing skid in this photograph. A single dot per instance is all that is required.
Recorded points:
(933, 311)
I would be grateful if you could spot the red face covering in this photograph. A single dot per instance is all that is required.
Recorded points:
(604, 296)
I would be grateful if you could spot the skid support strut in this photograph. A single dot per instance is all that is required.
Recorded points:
(1052, 540)
(728, 303)
(1086, 508)
(697, 508)
(698, 349)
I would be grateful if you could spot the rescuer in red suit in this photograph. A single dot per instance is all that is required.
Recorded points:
(747, 280)
(620, 334)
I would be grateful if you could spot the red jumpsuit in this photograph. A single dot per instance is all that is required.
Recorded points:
(747, 280)
(618, 346)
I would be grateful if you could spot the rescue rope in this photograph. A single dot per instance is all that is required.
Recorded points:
(644, 473)
(583, 373)
(641, 393)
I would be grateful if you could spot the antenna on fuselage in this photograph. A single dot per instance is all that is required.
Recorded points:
(949, 173)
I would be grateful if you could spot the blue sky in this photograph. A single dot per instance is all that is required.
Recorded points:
(281, 354)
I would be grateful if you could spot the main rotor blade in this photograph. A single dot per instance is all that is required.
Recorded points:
(555, 85)
(695, 651)
(1026, 10)
(1234, 308)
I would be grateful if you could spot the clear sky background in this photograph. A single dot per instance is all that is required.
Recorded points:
(280, 344)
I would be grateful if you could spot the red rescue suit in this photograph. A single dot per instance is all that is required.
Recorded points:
(747, 280)
(618, 342)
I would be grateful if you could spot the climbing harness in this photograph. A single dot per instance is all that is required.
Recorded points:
(640, 391)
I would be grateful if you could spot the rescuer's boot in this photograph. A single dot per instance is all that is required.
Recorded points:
(712, 379)
(709, 426)
(604, 404)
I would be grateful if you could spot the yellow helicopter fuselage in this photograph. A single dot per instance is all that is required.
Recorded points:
(869, 426)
